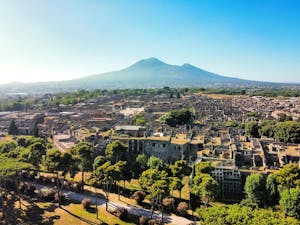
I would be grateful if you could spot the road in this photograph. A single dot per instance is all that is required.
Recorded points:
(168, 218)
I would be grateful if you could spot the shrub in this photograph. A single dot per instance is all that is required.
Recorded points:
(182, 208)
(139, 196)
(86, 203)
(48, 194)
(63, 198)
(168, 203)
(143, 220)
(30, 189)
(121, 213)
(78, 186)
(22, 187)
(153, 222)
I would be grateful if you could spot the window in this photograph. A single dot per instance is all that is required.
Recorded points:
(164, 145)
(153, 144)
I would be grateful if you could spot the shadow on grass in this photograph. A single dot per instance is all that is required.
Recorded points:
(83, 219)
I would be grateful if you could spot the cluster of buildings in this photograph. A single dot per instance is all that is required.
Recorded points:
(109, 118)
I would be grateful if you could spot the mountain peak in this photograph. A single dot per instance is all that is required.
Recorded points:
(149, 62)
(187, 65)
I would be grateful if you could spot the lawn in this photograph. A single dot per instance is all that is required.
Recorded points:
(49, 214)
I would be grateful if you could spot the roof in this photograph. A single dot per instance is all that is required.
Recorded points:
(129, 127)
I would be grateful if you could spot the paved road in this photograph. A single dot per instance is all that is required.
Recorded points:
(170, 219)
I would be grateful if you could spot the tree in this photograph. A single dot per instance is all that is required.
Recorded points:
(290, 202)
(255, 189)
(176, 184)
(118, 174)
(177, 117)
(155, 163)
(272, 190)
(252, 128)
(155, 182)
(115, 151)
(288, 131)
(13, 129)
(140, 120)
(283, 117)
(98, 161)
(84, 154)
(106, 175)
(180, 169)
(288, 176)
(141, 159)
(205, 186)
(35, 130)
(34, 154)
(267, 128)
(68, 165)
(9, 167)
(204, 167)
(52, 160)
(242, 215)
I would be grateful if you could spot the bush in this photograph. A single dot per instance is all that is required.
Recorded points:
(169, 203)
(78, 186)
(86, 203)
(30, 189)
(121, 213)
(182, 208)
(63, 198)
(154, 222)
(143, 220)
(22, 187)
(48, 194)
(139, 196)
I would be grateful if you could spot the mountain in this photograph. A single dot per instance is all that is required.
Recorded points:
(152, 72)
(146, 73)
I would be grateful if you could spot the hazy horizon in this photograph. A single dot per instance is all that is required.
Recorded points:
(55, 40)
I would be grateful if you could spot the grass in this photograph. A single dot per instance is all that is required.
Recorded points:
(48, 214)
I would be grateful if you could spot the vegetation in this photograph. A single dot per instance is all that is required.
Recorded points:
(177, 118)
(236, 214)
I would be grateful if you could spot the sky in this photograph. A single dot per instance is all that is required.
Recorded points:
(45, 40)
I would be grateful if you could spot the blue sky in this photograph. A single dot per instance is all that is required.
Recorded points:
(57, 40)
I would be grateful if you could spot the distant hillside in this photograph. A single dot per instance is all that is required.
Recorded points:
(146, 73)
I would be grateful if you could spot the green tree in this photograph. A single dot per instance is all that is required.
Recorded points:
(155, 162)
(98, 161)
(141, 160)
(288, 131)
(272, 190)
(252, 128)
(34, 154)
(68, 164)
(241, 215)
(205, 187)
(288, 176)
(180, 169)
(116, 151)
(176, 184)
(84, 154)
(255, 189)
(177, 117)
(52, 160)
(290, 202)
(283, 117)
(204, 167)
(155, 182)
(104, 176)
(13, 129)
